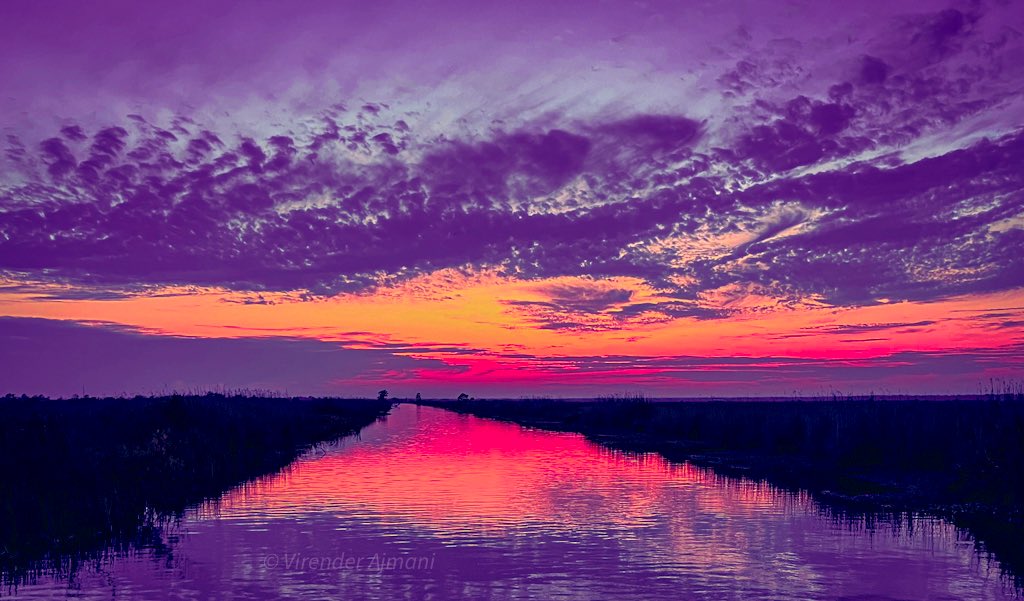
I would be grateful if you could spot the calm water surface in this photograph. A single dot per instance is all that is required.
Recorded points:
(432, 505)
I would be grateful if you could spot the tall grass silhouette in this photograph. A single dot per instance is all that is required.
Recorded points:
(958, 459)
(88, 476)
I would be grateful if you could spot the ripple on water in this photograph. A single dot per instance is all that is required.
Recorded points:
(432, 505)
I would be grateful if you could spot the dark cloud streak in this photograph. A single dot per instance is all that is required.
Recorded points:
(359, 199)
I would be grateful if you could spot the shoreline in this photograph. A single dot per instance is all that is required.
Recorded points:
(90, 474)
(859, 484)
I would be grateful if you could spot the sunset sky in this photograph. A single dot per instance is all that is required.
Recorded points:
(511, 199)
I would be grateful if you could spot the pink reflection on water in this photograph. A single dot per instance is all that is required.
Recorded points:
(460, 472)
(502, 512)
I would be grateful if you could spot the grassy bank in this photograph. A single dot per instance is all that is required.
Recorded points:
(81, 476)
(963, 460)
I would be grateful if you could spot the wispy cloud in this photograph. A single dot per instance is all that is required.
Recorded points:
(631, 168)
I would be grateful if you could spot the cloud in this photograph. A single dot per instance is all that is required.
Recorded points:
(883, 181)
(877, 327)
(580, 307)
(278, 217)
(900, 372)
(62, 358)
(66, 357)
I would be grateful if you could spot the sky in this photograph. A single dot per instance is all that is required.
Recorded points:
(539, 198)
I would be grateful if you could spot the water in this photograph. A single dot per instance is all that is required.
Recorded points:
(433, 505)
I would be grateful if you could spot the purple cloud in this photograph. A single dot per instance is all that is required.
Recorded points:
(249, 219)
(889, 173)
(63, 358)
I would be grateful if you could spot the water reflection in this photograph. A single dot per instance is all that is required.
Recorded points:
(432, 505)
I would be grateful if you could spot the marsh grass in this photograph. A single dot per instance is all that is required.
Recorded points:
(958, 459)
(86, 477)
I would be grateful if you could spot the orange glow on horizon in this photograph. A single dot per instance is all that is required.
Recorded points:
(484, 327)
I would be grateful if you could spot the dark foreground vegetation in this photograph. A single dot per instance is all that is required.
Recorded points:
(957, 459)
(86, 477)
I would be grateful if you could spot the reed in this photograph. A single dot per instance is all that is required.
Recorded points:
(959, 459)
(85, 475)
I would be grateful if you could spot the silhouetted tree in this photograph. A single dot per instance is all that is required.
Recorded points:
(382, 395)
(418, 397)
(463, 397)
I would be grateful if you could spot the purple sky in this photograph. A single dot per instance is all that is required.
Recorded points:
(616, 183)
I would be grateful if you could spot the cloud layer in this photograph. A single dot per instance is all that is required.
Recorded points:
(832, 156)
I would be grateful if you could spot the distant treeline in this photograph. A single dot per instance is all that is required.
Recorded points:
(86, 475)
(959, 459)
